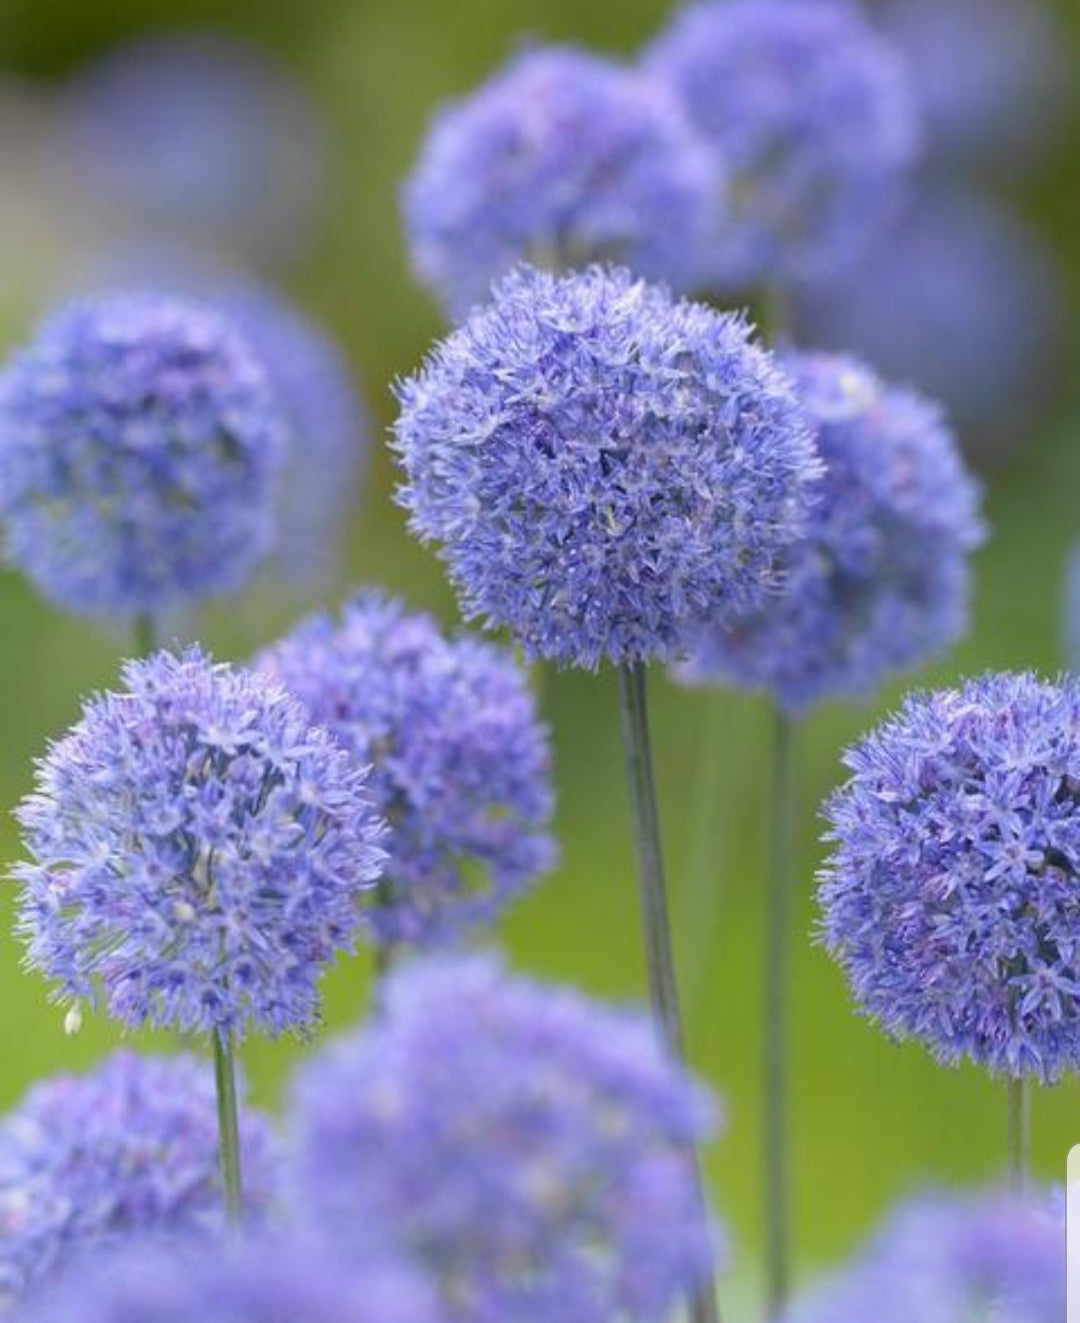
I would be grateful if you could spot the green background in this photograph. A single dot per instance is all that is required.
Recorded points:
(873, 1121)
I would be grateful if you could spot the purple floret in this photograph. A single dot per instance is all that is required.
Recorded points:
(199, 852)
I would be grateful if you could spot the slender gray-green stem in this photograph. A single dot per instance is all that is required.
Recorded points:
(1019, 1136)
(228, 1124)
(652, 886)
(777, 1031)
(144, 630)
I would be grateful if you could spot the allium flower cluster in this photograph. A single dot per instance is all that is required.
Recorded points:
(139, 448)
(602, 466)
(950, 898)
(948, 1258)
(562, 159)
(560, 1132)
(881, 581)
(959, 296)
(809, 110)
(129, 1151)
(199, 850)
(267, 1280)
(459, 760)
(196, 137)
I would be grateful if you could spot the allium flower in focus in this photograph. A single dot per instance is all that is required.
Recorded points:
(810, 110)
(129, 1151)
(266, 1280)
(603, 467)
(961, 298)
(140, 443)
(945, 1259)
(950, 898)
(882, 579)
(199, 851)
(562, 159)
(194, 137)
(526, 1147)
(460, 764)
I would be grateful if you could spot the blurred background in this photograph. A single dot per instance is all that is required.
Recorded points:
(287, 163)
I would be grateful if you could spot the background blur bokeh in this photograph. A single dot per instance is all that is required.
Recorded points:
(873, 1121)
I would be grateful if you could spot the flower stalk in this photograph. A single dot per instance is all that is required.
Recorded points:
(228, 1124)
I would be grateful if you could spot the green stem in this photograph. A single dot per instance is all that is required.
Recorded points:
(777, 1031)
(145, 632)
(1019, 1136)
(663, 990)
(228, 1125)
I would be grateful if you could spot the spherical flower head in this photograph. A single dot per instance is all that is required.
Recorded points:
(960, 296)
(950, 1258)
(950, 897)
(603, 466)
(129, 1151)
(197, 137)
(881, 581)
(139, 448)
(810, 109)
(460, 763)
(262, 1280)
(199, 850)
(562, 159)
(560, 1131)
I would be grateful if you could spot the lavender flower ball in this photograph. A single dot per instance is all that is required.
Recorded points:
(128, 1151)
(603, 467)
(562, 159)
(460, 763)
(196, 137)
(267, 1280)
(199, 850)
(139, 448)
(946, 1258)
(560, 1132)
(810, 110)
(882, 580)
(950, 899)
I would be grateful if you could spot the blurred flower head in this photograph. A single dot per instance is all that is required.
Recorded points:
(961, 300)
(199, 850)
(991, 77)
(264, 1280)
(140, 443)
(602, 466)
(127, 1152)
(949, 1258)
(460, 763)
(197, 137)
(809, 111)
(526, 1147)
(881, 582)
(950, 897)
(562, 159)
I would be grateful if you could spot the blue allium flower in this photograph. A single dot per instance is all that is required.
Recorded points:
(560, 1132)
(1000, 105)
(459, 760)
(139, 448)
(193, 136)
(603, 466)
(961, 298)
(128, 1151)
(950, 1258)
(199, 850)
(810, 110)
(267, 1280)
(564, 158)
(881, 582)
(950, 899)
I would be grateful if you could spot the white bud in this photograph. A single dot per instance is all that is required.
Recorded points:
(73, 1020)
